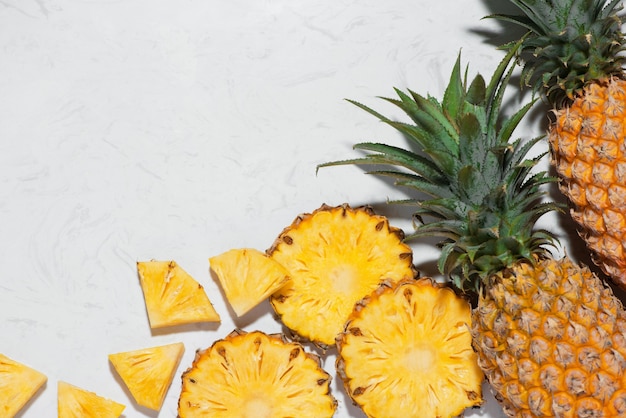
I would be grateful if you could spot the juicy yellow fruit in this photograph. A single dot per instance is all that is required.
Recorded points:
(74, 402)
(587, 143)
(172, 296)
(255, 375)
(335, 257)
(406, 351)
(148, 372)
(551, 341)
(18, 384)
(247, 277)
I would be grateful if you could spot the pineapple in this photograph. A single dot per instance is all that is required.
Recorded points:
(255, 375)
(148, 372)
(172, 296)
(18, 384)
(574, 56)
(74, 402)
(247, 277)
(421, 350)
(335, 256)
(550, 335)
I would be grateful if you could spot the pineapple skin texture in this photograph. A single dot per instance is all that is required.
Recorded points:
(589, 153)
(551, 340)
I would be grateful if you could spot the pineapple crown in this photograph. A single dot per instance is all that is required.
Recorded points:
(484, 198)
(569, 43)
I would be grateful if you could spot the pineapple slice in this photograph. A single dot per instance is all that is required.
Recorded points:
(416, 362)
(335, 256)
(74, 402)
(255, 375)
(172, 296)
(247, 277)
(18, 384)
(148, 372)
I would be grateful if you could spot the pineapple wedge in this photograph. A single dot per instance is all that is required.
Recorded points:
(148, 372)
(74, 402)
(172, 296)
(255, 375)
(247, 277)
(18, 384)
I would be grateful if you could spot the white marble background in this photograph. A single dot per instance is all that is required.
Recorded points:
(140, 129)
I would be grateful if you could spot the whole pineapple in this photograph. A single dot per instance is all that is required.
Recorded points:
(572, 54)
(549, 335)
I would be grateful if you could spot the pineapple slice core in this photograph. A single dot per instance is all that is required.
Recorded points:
(406, 351)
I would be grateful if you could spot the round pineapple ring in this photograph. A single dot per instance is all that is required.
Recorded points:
(335, 256)
(255, 375)
(406, 351)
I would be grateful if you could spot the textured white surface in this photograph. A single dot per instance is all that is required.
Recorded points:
(134, 130)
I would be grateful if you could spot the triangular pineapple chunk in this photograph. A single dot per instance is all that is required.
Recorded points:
(247, 277)
(172, 296)
(18, 384)
(74, 402)
(148, 372)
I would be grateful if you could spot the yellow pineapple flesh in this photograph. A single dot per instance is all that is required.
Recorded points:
(406, 342)
(75, 402)
(18, 384)
(148, 372)
(247, 277)
(172, 296)
(255, 375)
(551, 340)
(335, 256)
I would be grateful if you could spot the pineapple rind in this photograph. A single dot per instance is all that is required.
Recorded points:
(335, 256)
(18, 384)
(172, 296)
(255, 375)
(550, 338)
(421, 350)
(248, 277)
(75, 402)
(148, 372)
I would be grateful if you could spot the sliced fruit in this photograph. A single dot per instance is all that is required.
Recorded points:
(148, 372)
(18, 384)
(335, 256)
(410, 341)
(247, 277)
(255, 375)
(172, 296)
(74, 402)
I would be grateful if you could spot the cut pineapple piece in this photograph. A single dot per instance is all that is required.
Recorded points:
(74, 402)
(406, 351)
(172, 296)
(255, 375)
(18, 384)
(335, 256)
(247, 277)
(148, 372)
